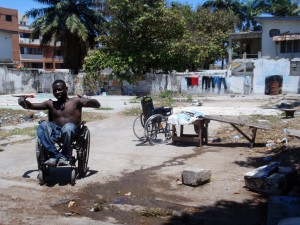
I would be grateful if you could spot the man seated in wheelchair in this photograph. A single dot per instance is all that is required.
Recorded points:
(64, 119)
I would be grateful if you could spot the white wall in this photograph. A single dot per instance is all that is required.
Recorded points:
(267, 67)
(14, 81)
(269, 48)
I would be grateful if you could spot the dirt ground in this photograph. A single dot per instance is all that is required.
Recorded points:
(133, 183)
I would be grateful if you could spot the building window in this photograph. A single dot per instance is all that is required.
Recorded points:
(49, 65)
(24, 35)
(290, 46)
(8, 18)
(295, 68)
(28, 35)
(59, 65)
(274, 32)
(31, 51)
(57, 52)
(23, 23)
(34, 65)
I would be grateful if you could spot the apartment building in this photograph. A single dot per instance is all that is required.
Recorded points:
(19, 48)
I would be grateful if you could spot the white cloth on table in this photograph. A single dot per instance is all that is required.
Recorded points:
(185, 117)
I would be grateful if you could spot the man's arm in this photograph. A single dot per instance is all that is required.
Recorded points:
(87, 102)
(35, 106)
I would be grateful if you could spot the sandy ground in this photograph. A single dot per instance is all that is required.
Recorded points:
(137, 183)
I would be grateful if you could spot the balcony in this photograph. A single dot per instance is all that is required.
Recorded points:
(35, 42)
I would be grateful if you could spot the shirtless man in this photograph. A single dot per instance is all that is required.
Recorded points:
(66, 115)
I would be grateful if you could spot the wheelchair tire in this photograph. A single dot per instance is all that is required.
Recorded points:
(138, 127)
(157, 129)
(73, 176)
(40, 157)
(83, 156)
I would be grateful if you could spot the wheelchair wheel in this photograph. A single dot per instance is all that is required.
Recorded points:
(73, 176)
(138, 127)
(83, 154)
(157, 129)
(40, 157)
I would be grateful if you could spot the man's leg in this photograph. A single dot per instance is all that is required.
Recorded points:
(68, 134)
(45, 132)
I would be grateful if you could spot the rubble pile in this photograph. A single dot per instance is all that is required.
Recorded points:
(10, 117)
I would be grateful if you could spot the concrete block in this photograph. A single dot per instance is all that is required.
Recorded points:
(271, 179)
(195, 176)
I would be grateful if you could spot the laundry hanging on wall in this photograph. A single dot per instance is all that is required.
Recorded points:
(191, 81)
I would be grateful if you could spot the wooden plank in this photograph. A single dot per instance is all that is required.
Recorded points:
(236, 122)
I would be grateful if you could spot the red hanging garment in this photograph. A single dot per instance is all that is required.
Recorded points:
(194, 80)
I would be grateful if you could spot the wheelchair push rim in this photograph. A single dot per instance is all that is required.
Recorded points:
(83, 154)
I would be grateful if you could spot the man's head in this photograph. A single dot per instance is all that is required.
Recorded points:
(60, 90)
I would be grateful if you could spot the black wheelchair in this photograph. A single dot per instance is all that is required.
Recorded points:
(152, 124)
(80, 155)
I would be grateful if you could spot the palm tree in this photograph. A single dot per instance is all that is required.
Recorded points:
(250, 9)
(73, 23)
(282, 7)
(232, 6)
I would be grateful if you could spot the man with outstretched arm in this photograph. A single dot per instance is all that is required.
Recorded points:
(64, 118)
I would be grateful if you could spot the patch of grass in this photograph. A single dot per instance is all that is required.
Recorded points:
(105, 108)
(31, 131)
(272, 119)
(154, 212)
(90, 116)
(135, 100)
(134, 111)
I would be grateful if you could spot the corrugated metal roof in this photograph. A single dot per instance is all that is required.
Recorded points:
(287, 37)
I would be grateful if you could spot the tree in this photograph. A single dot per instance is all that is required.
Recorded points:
(73, 23)
(281, 7)
(140, 33)
(233, 7)
(205, 37)
(250, 9)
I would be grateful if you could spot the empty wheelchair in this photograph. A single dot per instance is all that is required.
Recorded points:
(152, 124)
(80, 155)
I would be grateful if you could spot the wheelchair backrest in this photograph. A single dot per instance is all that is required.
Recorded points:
(147, 106)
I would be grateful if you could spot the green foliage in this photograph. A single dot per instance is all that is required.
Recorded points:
(134, 111)
(281, 7)
(30, 131)
(105, 108)
(166, 94)
(73, 23)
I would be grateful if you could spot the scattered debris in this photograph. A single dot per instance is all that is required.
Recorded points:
(197, 102)
(71, 203)
(72, 213)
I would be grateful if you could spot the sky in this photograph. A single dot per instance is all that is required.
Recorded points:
(24, 5)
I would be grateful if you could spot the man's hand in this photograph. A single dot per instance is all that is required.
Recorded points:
(82, 96)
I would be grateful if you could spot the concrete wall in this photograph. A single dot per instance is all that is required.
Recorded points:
(15, 82)
(267, 67)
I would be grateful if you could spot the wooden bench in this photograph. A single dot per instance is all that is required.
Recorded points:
(289, 113)
(235, 123)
